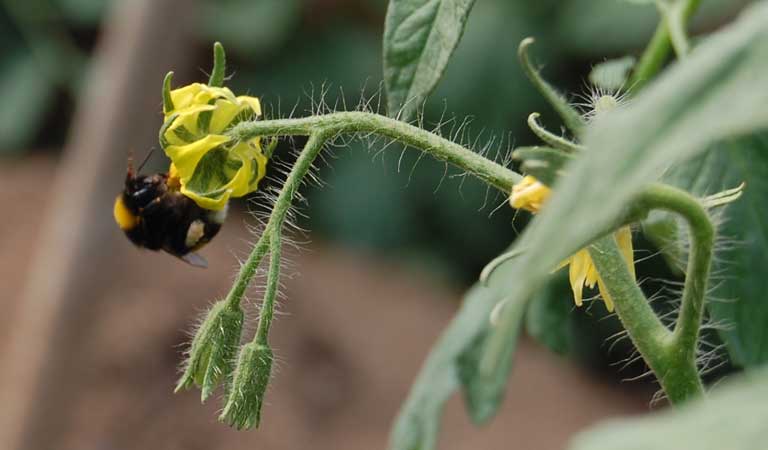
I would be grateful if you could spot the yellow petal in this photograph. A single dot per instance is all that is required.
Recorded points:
(254, 163)
(183, 97)
(252, 102)
(605, 295)
(184, 128)
(207, 202)
(197, 94)
(220, 92)
(591, 270)
(577, 274)
(186, 157)
(624, 240)
(529, 194)
(223, 115)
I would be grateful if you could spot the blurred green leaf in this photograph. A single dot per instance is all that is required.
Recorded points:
(550, 316)
(452, 363)
(740, 285)
(418, 422)
(419, 38)
(483, 398)
(674, 119)
(733, 417)
(26, 95)
(612, 75)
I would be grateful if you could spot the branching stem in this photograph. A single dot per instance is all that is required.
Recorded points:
(320, 129)
(670, 354)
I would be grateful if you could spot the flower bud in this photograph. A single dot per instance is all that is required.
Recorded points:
(213, 348)
(246, 395)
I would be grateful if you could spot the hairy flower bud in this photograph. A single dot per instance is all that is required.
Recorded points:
(213, 348)
(243, 407)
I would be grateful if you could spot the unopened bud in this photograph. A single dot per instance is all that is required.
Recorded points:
(246, 395)
(213, 348)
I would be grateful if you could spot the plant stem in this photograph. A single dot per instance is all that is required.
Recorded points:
(282, 205)
(320, 129)
(671, 355)
(368, 123)
(642, 324)
(658, 49)
(273, 279)
(702, 235)
(653, 58)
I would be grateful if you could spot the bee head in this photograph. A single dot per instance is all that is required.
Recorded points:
(140, 190)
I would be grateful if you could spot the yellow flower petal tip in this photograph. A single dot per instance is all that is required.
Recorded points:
(529, 194)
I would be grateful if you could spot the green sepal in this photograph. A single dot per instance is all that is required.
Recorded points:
(249, 384)
(161, 135)
(167, 101)
(218, 74)
(551, 139)
(213, 348)
(544, 163)
(568, 113)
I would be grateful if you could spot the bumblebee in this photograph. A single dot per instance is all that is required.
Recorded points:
(155, 215)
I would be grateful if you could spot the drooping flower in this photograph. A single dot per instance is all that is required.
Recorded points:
(530, 194)
(210, 166)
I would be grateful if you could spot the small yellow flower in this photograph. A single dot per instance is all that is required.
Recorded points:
(208, 166)
(530, 194)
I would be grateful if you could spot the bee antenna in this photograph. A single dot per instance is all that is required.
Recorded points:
(146, 158)
(130, 164)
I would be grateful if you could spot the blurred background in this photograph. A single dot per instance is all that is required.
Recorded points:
(92, 329)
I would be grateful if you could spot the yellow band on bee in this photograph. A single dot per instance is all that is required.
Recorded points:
(123, 216)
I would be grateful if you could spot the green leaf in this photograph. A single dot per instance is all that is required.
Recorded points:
(482, 398)
(674, 119)
(740, 284)
(419, 38)
(733, 417)
(612, 75)
(452, 363)
(549, 318)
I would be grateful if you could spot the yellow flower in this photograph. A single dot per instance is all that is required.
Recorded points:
(209, 166)
(530, 194)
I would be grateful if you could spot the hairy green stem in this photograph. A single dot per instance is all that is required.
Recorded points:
(679, 378)
(320, 129)
(671, 355)
(273, 279)
(283, 203)
(702, 236)
(368, 123)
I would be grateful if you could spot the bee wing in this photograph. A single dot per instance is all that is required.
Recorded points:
(194, 259)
